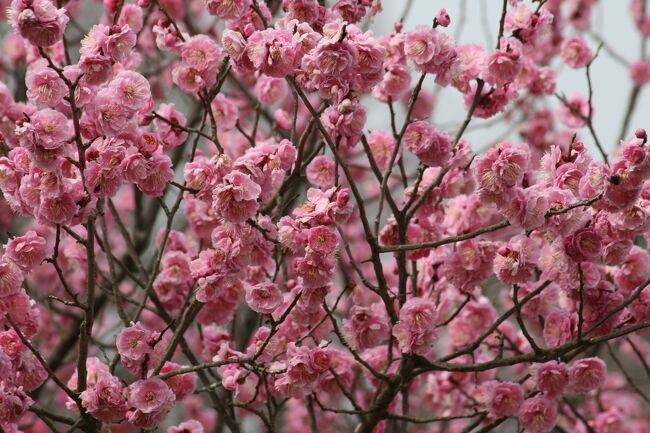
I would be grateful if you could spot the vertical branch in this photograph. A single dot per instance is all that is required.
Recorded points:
(86, 329)
(581, 294)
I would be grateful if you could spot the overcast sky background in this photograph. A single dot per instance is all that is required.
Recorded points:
(611, 19)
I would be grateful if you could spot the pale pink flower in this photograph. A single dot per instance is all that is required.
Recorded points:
(119, 43)
(316, 270)
(159, 172)
(515, 261)
(57, 210)
(226, 112)
(28, 250)
(421, 44)
(47, 129)
(382, 145)
(271, 90)
(575, 52)
(132, 16)
(574, 117)
(44, 86)
(110, 114)
(169, 135)
(345, 122)
(320, 171)
(202, 53)
(272, 52)
(431, 146)
(263, 297)
(131, 89)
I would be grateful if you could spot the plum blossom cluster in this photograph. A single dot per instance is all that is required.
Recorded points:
(201, 231)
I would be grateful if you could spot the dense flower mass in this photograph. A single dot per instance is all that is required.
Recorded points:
(202, 230)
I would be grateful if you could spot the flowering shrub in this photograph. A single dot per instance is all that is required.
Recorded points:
(201, 234)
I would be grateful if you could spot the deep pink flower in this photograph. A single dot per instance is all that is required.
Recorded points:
(505, 399)
(415, 331)
(442, 18)
(558, 328)
(181, 385)
(500, 169)
(587, 374)
(133, 343)
(502, 67)
(366, 327)
(584, 244)
(39, 21)
(228, 9)
(14, 402)
(538, 414)
(11, 277)
(106, 399)
(322, 239)
(150, 395)
(552, 378)
(640, 72)
(236, 198)
(190, 426)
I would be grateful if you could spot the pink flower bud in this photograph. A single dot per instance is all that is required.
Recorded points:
(443, 18)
